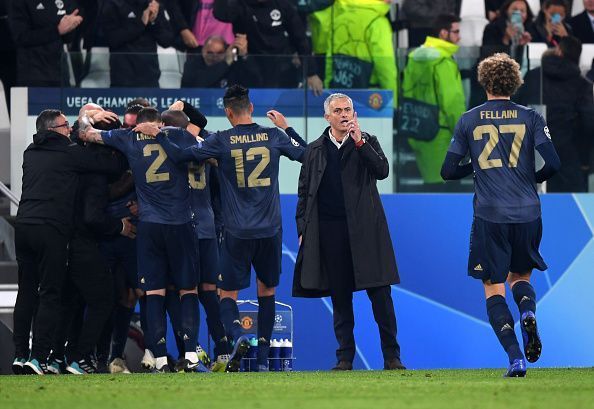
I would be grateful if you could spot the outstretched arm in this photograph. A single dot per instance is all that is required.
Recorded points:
(452, 169)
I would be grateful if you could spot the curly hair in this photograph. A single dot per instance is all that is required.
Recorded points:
(500, 75)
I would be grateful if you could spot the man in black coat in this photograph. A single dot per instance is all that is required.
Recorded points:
(133, 29)
(274, 32)
(39, 29)
(345, 244)
(43, 229)
(583, 23)
(559, 85)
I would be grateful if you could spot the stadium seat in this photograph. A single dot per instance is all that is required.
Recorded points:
(471, 31)
(586, 57)
(535, 51)
(577, 7)
(98, 76)
(472, 8)
(535, 6)
(169, 63)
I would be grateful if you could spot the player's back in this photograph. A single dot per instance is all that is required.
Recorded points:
(248, 159)
(501, 137)
(161, 185)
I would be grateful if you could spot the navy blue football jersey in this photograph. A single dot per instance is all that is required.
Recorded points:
(202, 212)
(501, 137)
(161, 186)
(248, 162)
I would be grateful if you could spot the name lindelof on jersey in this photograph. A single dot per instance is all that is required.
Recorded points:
(250, 138)
(505, 114)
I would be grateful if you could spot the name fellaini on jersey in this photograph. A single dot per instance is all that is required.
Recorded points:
(501, 137)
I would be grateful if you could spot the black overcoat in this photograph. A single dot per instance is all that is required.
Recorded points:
(374, 263)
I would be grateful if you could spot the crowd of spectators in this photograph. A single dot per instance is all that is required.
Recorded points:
(277, 43)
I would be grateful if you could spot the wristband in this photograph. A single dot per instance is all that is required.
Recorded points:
(360, 143)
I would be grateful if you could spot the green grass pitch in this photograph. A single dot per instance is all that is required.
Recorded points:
(481, 389)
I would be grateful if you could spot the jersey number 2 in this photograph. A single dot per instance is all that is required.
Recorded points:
(151, 173)
(483, 160)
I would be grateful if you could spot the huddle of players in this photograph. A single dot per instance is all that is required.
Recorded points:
(166, 160)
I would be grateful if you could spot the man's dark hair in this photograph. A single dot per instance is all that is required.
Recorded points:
(548, 3)
(143, 102)
(237, 99)
(148, 115)
(107, 126)
(444, 22)
(47, 119)
(571, 47)
(175, 118)
(134, 109)
(505, 6)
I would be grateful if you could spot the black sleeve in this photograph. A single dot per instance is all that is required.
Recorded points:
(95, 200)
(122, 186)
(178, 21)
(451, 168)
(196, 117)
(161, 30)
(302, 189)
(373, 156)
(87, 160)
(226, 10)
(23, 32)
(291, 133)
(118, 32)
(299, 40)
(551, 159)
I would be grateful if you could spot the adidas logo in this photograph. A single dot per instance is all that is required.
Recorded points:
(506, 327)
(161, 341)
(132, 15)
(478, 268)
(237, 322)
(40, 6)
(186, 337)
(524, 298)
(142, 280)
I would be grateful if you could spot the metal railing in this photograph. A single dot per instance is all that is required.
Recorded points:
(8, 193)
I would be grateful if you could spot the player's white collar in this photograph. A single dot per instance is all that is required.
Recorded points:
(335, 141)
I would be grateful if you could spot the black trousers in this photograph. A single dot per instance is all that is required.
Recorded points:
(42, 255)
(338, 263)
(89, 278)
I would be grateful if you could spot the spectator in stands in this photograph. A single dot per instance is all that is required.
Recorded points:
(274, 32)
(40, 28)
(220, 65)
(505, 33)
(195, 23)
(432, 76)
(8, 54)
(590, 73)
(583, 23)
(570, 110)
(320, 23)
(360, 53)
(133, 30)
(44, 226)
(492, 8)
(421, 14)
(550, 25)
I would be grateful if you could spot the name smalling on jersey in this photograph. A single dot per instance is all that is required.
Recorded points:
(251, 138)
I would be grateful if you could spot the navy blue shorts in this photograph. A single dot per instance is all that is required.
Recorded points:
(166, 255)
(208, 251)
(238, 255)
(497, 249)
(120, 256)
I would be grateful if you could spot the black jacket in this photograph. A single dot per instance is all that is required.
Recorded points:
(273, 27)
(374, 263)
(133, 56)
(51, 168)
(570, 109)
(199, 75)
(582, 27)
(34, 26)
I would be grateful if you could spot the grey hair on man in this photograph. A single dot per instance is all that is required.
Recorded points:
(47, 119)
(332, 97)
